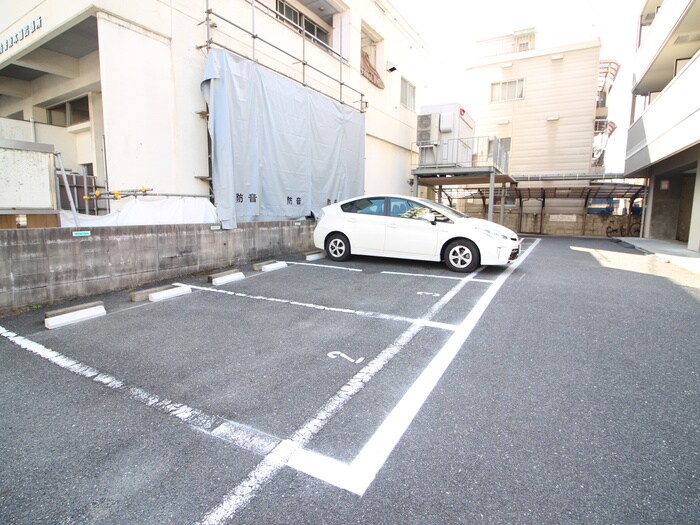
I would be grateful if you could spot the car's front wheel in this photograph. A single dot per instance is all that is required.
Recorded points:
(337, 247)
(462, 256)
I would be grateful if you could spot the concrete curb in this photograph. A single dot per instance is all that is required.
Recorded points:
(142, 295)
(225, 277)
(274, 266)
(315, 256)
(73, 314)
(268, 266)
(174, 291)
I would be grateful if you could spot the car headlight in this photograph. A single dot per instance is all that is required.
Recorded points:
(492, 233)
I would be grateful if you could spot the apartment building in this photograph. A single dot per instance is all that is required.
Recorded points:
(663, 142)
(117, 88)
(548, 108)
(542, 101)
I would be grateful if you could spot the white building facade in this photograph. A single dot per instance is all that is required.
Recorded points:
(115, 86)
(663, 143)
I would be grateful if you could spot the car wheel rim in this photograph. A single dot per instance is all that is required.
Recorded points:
(460, 257)
(337, 248)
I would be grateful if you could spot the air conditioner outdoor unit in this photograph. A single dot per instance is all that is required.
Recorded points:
(428, 129)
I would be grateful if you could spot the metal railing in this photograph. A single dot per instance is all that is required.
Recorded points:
(471, 152)
(302, 61)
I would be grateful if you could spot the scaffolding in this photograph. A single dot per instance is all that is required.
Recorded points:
(211, 23)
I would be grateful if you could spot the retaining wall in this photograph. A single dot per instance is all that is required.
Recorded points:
(562, 224)
(49, 265)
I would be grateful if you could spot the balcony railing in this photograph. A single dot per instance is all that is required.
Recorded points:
(479, 153)
(650, 74)
(666, 126)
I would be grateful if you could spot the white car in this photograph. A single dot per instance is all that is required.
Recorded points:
(412, 228)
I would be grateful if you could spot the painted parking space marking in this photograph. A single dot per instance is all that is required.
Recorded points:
(241, 495)
(361, 313)
(336, 353)
(450, 277)
(408, 274)
(241, 435)
(429, 294)
(345, 268)
(359, 474)
(487, 281)
(277, 453)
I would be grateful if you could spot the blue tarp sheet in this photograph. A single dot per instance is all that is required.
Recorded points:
(279, 150)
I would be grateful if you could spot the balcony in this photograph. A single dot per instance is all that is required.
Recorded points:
(471, 160)
(673, 35)
(667, 126)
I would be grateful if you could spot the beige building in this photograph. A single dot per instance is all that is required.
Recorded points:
(540, 101)
(663, 142)
(547, 109)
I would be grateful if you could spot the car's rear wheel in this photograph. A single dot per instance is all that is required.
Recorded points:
(337, 247)
(462, 256)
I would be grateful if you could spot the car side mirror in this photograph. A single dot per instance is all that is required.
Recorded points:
(430, 217)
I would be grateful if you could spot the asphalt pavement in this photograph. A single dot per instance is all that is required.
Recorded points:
(560, 389)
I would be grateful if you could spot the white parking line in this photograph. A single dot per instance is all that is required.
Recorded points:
(239, 497)
(238, 434)
(488, 281)
(326, 266)
(361, 313)
(358, 475)
(408, 274)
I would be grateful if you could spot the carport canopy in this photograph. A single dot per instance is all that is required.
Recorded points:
(460, 176)
(604, 190)
(595, 190)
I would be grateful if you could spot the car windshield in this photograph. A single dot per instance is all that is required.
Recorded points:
(445, 210)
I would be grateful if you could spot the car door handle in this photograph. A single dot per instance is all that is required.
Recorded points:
(393, 225)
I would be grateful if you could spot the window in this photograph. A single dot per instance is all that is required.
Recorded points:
(408, 94)
(365, 206)
(372, 47)
(288, 13)
(502, 91)
(69, 113)
(409, 209)
(316, 31)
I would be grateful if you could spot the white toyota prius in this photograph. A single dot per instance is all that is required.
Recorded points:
(412, 228)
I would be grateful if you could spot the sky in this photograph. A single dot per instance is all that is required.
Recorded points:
(450, 28)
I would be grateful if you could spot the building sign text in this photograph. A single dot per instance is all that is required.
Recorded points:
(6, 43)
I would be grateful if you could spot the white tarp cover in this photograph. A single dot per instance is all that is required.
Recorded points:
(279, 150)
(144, 211)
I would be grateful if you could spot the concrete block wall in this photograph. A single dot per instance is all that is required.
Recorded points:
(534, 223)
(48, 265)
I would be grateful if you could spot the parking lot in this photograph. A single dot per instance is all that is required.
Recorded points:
(302, 395)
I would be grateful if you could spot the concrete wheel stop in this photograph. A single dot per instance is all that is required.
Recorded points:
(226, 276)
(73, 314)
(269, 266)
